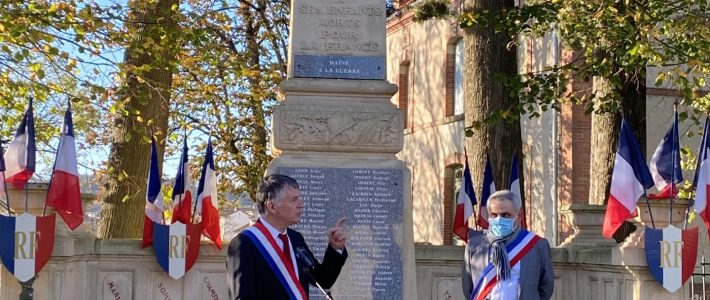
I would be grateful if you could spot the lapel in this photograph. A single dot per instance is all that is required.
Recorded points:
(525, 265)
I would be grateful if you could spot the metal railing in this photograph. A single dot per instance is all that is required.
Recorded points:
(700, 281)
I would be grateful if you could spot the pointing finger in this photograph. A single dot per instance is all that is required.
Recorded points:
(341, 222)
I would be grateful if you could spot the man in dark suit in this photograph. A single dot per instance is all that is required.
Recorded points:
(506, 262)
(271, 261)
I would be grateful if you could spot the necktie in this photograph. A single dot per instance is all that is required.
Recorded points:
(287, 250)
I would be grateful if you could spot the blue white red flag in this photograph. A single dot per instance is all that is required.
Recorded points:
(182, 190)
(489, 187)
(629, 181)
(176, 247)
(154, 205)
(671, 255)
(64, 193)
(514, 187)
(20, 155)
(702, 179)
(465, 202)
(26, 243)
(665, 163)
(206, 205)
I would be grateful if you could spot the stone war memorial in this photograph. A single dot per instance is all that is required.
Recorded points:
(337, 133)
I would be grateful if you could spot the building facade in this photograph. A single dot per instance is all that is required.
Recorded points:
(424, 59)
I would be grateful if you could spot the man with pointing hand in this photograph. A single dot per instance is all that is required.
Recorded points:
(270, 260)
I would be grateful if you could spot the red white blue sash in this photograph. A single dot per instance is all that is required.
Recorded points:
(520, 246)
(275, 258)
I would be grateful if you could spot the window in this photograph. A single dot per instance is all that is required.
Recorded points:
(458, 78)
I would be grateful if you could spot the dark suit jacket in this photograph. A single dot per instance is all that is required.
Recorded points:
(252, 278)
(537, 280)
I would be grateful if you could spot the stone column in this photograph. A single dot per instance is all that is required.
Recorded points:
(337, 133)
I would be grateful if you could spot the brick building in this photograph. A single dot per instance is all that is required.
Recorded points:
(425, 60)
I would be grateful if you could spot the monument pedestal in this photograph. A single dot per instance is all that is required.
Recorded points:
(339, 138)
(336, 132)
(586, 223)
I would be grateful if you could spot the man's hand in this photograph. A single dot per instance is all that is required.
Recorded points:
(337, 235)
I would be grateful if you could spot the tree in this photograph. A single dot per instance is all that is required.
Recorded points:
(234, 69)
(38, 40)
(144, 102)
(489, 55)
(226, 58)
(614, 42)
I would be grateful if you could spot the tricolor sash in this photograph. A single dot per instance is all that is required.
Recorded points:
(276, 260)
(518, 248)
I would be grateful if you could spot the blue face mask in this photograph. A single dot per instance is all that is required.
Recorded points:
(500, 226)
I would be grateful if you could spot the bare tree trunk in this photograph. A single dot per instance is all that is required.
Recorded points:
(606, 126)
(487, 55)
(146, 98)
(605, 137)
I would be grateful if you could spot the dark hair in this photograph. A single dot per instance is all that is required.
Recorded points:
(270, 187)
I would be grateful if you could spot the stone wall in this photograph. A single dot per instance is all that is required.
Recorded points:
(119, 269)
(581, 273)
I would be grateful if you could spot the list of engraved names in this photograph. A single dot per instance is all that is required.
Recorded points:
(371, 199)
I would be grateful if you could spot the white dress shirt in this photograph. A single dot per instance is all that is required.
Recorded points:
(275, 234)
(508, 289)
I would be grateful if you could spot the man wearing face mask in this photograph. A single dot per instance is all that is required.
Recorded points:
(506, 262)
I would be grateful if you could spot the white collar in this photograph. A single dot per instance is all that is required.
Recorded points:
(274, 232)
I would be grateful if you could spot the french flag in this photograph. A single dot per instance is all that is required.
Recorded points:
(489, 187)
(64, 193)
(154, 205)
(20, 155)
(464, 204)
(629, 180)
(665, 164)
(206, 205)
(182, 195)
(702, 179)
(514, 187)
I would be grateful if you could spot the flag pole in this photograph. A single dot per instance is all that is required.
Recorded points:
(56, 155)
(691, 200)
(650, 212)
(673, 154)
(7, 194)
(194, 210)
(26, 195)
(160, 176)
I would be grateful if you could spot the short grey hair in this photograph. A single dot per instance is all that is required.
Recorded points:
(509, 196)
(271, 187)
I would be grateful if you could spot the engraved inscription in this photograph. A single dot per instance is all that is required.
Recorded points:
(340, 128)
(164, 291)
(113, 290)
(340, 28)
(371, 199)
(210, 288)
